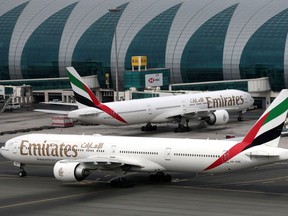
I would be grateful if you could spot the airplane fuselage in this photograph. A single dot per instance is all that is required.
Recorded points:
(152, 154)
(166, 109)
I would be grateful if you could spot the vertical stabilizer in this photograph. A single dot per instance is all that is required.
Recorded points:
(83, 94)
(86, 98)
(266, 131)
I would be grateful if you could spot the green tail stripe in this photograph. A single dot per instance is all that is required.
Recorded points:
(277, 111)
(76, 82)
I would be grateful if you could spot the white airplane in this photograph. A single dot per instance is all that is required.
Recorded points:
(75, 156)
(213, 107)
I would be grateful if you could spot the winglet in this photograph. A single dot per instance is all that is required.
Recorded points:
(266, 131)
(85, 97)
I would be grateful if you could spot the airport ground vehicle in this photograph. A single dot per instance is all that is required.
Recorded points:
(12, 106)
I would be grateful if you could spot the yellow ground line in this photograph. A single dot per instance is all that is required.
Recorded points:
(228, 190)
(46, 200)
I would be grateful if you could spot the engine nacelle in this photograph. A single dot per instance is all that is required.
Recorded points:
(219, 117)
(70, 171)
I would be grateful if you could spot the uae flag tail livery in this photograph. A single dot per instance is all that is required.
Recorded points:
(266, 131)
(85, 97)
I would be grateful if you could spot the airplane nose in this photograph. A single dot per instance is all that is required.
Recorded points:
(4, 149)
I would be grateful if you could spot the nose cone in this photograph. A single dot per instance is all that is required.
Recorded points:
(4, 150)
(1, 150)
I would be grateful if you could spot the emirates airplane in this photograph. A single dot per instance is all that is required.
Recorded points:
(75, 156)
(212, 107)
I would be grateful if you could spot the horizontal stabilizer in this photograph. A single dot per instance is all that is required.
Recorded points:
(262, 154)
(60, 103)
(60, 112)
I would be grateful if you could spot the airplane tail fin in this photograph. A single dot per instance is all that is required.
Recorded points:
(83, 94)
(86, 98)
(267, 130)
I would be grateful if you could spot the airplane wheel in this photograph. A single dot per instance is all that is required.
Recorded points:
(240, 118)
(22, 174)
(159, 177)
(168, 178)
(121, 182)
(182, 129)
(154, 127)
(143, 128)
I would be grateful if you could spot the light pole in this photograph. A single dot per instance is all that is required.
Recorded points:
(116, 10)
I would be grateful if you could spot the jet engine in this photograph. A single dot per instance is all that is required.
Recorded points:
(70, 171)
(219, 117)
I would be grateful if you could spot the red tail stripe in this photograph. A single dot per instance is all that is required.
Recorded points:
(103, 107)
(92, 96)
(236, 149)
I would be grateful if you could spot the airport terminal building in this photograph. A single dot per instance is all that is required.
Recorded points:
(207, 40)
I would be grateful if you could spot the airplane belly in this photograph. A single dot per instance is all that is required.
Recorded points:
(101, 119)
(135, 118)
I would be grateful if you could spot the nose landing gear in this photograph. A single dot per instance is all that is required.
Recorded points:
(22, 172)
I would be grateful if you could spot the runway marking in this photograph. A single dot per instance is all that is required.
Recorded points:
(228, 190)
(46, 200)
(5, 162)
(268, 182)
(243, 182)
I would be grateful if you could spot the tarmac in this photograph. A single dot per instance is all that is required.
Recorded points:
(261, 191)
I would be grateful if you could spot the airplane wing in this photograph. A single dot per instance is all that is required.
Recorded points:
(202, 112)
(189, 113)
(104, 163)
(107, 163)
(61, 112)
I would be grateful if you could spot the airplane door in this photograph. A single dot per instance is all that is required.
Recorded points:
(113, 151)
(167, 154)
(225, 156)
(184, 106)
(149, 109)
(15, 146)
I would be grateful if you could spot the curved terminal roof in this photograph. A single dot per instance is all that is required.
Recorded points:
(198, 40)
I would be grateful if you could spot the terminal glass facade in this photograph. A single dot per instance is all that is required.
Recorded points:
(263, 55)
(151, 41)
(202, 59)
(92, 54)
(41, 52)
(7, 24)
(199, 41)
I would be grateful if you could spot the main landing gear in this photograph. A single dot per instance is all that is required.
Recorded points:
(121, 182)
(22, 172)
(182, 126)
(240, 117)
(160, 177)
(149, 127)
